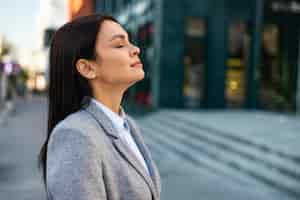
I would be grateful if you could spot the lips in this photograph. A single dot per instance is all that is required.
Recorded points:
(137, 64)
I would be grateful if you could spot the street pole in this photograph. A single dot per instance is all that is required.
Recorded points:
(1, 73)
(158, 22)
(298, 80)
(1, 100)
(255, 55)
(3, 85)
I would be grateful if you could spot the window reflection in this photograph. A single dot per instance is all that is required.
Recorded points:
(194, 62)
(238, 51)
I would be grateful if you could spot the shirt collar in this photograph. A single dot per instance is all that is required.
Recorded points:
(118, 120)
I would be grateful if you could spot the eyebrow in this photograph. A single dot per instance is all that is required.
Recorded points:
(122, 36)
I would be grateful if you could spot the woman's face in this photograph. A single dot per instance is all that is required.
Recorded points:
(117, 61)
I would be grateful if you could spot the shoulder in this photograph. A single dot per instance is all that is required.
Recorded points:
(73, 159)
(70, 131)
(73, 135)
(79, 121)
(76, 128)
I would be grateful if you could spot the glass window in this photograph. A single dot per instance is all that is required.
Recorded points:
(194, 61)
(277, 72)
(236, 72)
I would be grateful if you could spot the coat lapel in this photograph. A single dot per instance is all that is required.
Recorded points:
(132, 160)
(123, 149)
(135, 132)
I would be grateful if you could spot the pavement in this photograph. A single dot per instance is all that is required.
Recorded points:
(22, 132)
(209, 155)
(243, 154)
(5, 109)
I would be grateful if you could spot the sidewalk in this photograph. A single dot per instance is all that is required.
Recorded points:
(215, 155)
(21, 136)
(254, 152)
(5, 109)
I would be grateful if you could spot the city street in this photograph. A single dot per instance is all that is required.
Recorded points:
(205, 155)
(21, 135)
(214, 87)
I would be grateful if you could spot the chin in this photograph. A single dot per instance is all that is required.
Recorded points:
(142, 75)
(138, 77)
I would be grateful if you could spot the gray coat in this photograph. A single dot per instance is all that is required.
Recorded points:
(87, 161)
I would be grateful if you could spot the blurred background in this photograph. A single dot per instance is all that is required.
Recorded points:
(219, 106)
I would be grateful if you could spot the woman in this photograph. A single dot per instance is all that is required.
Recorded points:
(94, 151)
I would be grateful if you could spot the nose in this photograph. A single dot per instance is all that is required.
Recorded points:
(135, 50)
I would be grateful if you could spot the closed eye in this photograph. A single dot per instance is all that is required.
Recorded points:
(119, 46)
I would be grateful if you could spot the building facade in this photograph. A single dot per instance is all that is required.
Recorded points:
(214, 54)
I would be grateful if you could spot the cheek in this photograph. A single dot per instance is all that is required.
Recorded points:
(117, 59)
(115, 66)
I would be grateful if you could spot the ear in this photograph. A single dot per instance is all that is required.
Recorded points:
(86, 68)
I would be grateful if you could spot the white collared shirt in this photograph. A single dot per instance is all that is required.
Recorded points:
(120, 125)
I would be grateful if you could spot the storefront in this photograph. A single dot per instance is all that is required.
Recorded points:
(216, 54)
(278, 72)
(205, 53)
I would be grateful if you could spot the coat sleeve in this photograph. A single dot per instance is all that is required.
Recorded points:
(74, 169)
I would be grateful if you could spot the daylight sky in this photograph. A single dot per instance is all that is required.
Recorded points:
(18, 22)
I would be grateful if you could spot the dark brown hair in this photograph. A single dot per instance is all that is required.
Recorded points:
(67, 88)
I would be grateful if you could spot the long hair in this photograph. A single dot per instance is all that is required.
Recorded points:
(67, 88)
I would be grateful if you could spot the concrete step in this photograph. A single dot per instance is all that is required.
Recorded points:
(188, 180)
(284, 165)
(171, 149)
(222, 157)
(267, 142)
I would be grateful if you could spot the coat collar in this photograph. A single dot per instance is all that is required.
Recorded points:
(91, 107)
(126, 153)
(117, 119)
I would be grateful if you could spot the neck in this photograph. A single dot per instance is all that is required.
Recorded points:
(109, 97)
